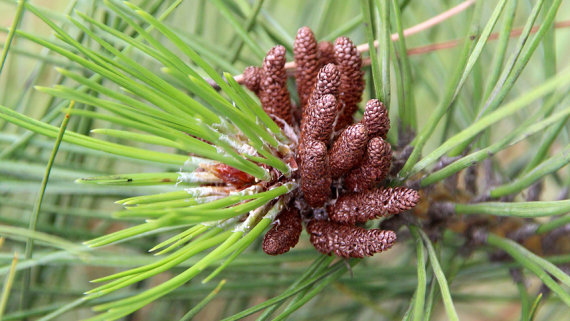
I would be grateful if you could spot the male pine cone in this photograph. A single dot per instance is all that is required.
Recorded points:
(348, 240)
(331, 148)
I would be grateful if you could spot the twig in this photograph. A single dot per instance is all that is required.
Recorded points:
(407, 32)
(452, 43)
(435, 46)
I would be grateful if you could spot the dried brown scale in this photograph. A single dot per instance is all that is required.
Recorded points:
(326, 53)
(231, 175)
(315, 174)
(252, 78)
(376, 118)
(306, 58)
(374, 168)
(349, 63)
(361, 207)
(347, 151)
(273, 92)
(319, 119)
(328, 82)
(284, 235)
(347, 240)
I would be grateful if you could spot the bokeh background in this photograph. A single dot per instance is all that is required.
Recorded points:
(380, 288)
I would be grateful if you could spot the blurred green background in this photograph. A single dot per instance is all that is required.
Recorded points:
(80, 212)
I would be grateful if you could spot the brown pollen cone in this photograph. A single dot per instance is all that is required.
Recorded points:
(284, 235)
(328, 82)
(326, 53)
(376, 118)
(315, 175)
(348, 149)
(348, 240)
(273, 92)
(252, 78)
(349, 64)
(374, 168)
(319, 119)
(361, 207)
(306, 58)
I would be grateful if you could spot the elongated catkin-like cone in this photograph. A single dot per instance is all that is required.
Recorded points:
(315, 175)
(361, 207)
(374, 168)
(376, 119)
(328, 83)
(284, 235)
(348, 149)
(348, 240)
(326, 53)
(319, 119)
(307, 60)
(273, 92)
(318, 122)
(349, 63)
(252, 78)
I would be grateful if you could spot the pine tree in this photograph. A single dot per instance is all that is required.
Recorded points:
(223, 130)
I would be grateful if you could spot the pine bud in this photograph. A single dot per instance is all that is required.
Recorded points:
(315, 174)
(326, 53)
(273, 93)
(347, 150)
(231, 175)
(376, 118)
(374, 168)
(361, 207)
(319, 119)
(306, 58)
(328, 82)
(252, 78)
(284, 235)
(349, 63)
(348, 240)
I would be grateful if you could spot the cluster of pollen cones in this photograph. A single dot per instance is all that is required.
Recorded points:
(340, 162)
